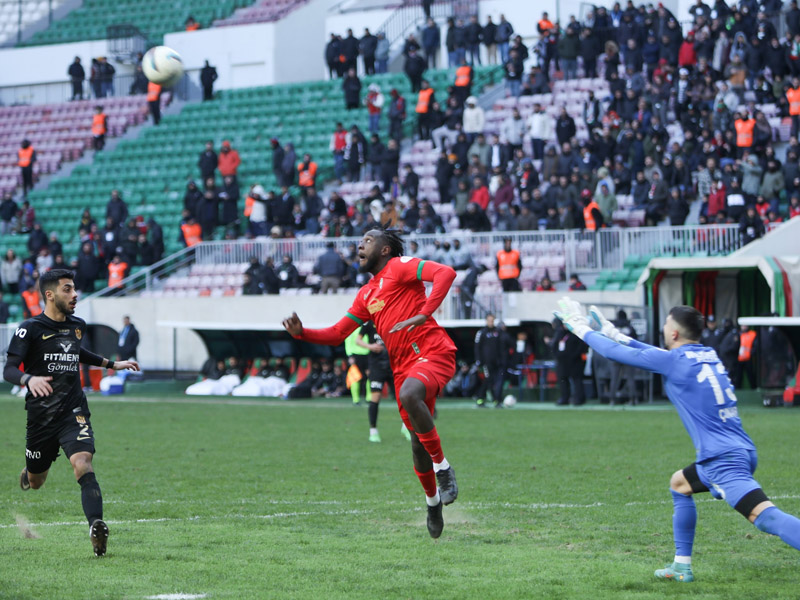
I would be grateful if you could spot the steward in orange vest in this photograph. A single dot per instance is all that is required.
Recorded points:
(746, 339)
(793, 96)
(306, 172)
(744, 132)
(154, 101)
(32, 302)
(509, 266)
(99, 128)
(592, 217)
(116, 272)
(425, 101)
(463, 82)
(26, 156)
(192, 233)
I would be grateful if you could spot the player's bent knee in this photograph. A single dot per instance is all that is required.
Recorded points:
(678, 483)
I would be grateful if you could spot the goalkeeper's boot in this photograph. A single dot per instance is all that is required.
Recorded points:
(676, 572)
(435, 520)
(406, 433)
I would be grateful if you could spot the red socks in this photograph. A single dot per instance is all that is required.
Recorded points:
(428, 481)
(432, 444)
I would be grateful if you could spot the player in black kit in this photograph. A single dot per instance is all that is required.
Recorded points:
(380, 373)
(49, 345)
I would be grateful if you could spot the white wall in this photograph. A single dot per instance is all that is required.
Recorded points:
(156, 347)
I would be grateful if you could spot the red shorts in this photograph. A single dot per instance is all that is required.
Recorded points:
(434, 372)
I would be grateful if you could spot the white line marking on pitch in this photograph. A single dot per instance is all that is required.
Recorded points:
(176, 597)
(287, 515)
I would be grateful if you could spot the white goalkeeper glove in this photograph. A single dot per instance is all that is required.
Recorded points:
(573, 317)
(599, 323)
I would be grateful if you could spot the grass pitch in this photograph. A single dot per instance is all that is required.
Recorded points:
(280, 500)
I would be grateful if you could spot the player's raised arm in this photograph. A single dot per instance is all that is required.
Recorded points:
(638, 355)
(330, 336)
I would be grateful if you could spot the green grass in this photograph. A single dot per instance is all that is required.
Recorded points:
(271, 500)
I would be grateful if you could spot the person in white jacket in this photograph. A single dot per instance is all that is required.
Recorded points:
(540, 128)
(473, 120)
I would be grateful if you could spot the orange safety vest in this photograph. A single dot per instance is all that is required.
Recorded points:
(463, 76)
(588, 218)
(746, 345)
(508, 263)
(248, 205)
(193, 27)
(192, 234)
(25, 156)
(116, 273)
(99, 124)
(424, 101)
(545, 25)
(306, 177)
(744, 132)
(153, 91)
(793, 95)
(32, 299)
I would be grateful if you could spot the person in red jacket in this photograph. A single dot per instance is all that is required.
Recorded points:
(421, 354)
(716, 199)
(480, 193)
(228, 160)
(687, 57)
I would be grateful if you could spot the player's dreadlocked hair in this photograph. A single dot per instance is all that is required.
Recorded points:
(391, 237)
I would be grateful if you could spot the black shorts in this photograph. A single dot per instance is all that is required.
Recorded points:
(73, 433)
(378, 376)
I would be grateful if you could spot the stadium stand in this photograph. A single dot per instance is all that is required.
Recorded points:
(12, 18)
(152, 18)
(263, 11)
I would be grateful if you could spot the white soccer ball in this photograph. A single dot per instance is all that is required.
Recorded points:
(162, 65)
(509, 401)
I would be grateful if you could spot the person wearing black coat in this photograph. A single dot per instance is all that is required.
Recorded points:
(230, 201)
(333, 52)
(350, 50)
(116, 209)
(589, 51)
(390, 164)
(208, 75)
(565, 127)
(489, 35)
(414, 68)
(190, 199)
(431, 40)
(352, 90)
(288, 166)
(208, 212)
(367, 47)
(567, 349)
(207, 162)
(473, 34)
(88, 269)
(751, 227)
(156, 238)
(76, 75)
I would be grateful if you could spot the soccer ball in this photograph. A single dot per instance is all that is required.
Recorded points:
(162, 65)
(509, 401)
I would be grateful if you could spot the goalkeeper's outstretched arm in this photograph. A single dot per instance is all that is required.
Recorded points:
(635, 354)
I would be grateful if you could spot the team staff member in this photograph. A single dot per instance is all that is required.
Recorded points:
(26, 156)
(695, 381)
(491, 350)
(425, 100)
(421, 354)
(58, 415)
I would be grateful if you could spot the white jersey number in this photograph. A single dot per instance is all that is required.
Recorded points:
(707, 374)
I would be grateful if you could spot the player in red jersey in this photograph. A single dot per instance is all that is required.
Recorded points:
(421, 354)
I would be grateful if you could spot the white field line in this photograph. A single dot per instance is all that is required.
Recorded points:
(490, 506)
(176, 597)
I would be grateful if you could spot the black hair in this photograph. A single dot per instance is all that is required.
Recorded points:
(391, 237)
(50, 279)
(690, 320)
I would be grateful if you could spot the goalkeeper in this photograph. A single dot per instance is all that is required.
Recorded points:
(697, 384)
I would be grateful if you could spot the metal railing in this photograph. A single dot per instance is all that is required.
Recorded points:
(569, 251)
(56, 92)
(411, 16)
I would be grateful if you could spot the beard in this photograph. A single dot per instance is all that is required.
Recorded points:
(369, 264)
(64, 307)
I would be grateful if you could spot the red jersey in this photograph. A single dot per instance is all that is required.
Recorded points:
(395, 294)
